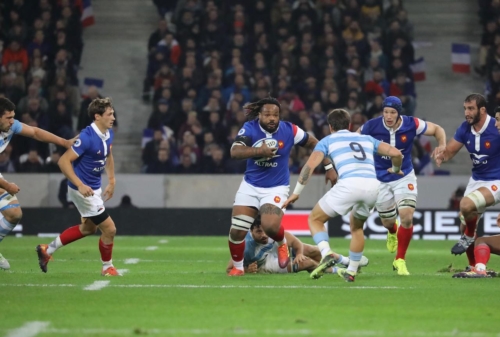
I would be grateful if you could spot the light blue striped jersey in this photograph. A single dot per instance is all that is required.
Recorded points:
(5, 137)
(351, 153)
(256, 251)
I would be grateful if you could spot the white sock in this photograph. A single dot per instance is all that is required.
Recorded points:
(54, 245)
(343, 260)
(238, 265)
(107, 264)
(324, 248)
(480, 267)
(281, 242)
(353, 266)
(469, 237)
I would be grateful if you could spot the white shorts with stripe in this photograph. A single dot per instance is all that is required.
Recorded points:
(88, 207)
(493, 186)
(356, 194)
(404, 188)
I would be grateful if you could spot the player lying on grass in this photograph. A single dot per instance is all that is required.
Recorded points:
(483, 247)
(261, 255)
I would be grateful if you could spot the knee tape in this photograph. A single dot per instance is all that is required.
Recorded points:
(100, 218)
(407, 203)
(478, 200)
(242, 222)
(6, 199)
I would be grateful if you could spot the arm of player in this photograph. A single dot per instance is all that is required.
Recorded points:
(44, 136)
(10, 188)
(449, 152)
(297, 245)
(330, 173)
(314, 160)
(65, 164)
(440, 135)
(240, 151)
(385, 149)
(110, 171)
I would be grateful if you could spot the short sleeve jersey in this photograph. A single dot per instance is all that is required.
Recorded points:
(7, 136)
(92, 148)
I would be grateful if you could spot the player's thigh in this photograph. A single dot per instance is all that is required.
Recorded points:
(87, 206)
(337, 201)
(10, 208)
(108, 227)
(492, 241)
(312, 252)
(246, 196)
(405, 191)
(490, 195)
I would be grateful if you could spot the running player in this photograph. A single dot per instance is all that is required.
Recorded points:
(265, 185)
(10, 207)
(399, 193)
(356, 190)
(83, 165)
(481, 136)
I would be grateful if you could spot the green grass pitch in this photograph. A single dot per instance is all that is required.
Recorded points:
(176, 286)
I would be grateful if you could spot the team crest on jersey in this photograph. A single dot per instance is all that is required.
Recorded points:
(277, 199)
(487, 144)
(411, 187)
(78, 142)
(494, 187)
(242, 131)
(404, 138)
(281, 144)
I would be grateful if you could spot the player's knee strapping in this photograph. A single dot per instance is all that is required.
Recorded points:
(478, 199)
(6, 227)
(241, 223)
(5, 201)
(407, 203)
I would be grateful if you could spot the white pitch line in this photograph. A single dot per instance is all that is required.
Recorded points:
(264, 332)
(122, 271)
(101, 284)
(131, 261)
(152, 248)
(29, 329)
(163, 241)
(97, 285)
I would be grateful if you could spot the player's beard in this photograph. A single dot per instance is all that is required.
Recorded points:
(475, 119)
(268, 129)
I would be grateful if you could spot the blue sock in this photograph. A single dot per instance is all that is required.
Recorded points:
(321, 236)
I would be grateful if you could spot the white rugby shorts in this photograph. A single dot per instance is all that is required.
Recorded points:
(88, 207)
(248, 195)
(493, 186)
(356, 194)
(404, 188)
(271, 265)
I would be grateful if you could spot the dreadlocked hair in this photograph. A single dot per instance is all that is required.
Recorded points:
(252, 110)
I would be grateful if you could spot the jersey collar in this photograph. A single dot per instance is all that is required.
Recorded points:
(485, 125)
(391, 129)
(103, 136)
(267, 133)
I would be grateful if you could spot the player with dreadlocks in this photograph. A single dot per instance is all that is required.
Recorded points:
(265, 142)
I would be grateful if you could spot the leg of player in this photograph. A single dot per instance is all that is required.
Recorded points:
(483, 248)
(70, 235)
(356, 247)
(241, 221)
(471, 208)
(271, 224)
(12, 214)
(388, 215)
(406, 208)
(108, 232)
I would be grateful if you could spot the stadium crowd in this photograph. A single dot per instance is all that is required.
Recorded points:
(208, 58)
(40, 51)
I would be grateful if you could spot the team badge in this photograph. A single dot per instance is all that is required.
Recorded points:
(487, 144)
(242, 131)
(404, 138)
(281, 144)
(494, 187)
(277, 199)
(78, 142)
(411, 187)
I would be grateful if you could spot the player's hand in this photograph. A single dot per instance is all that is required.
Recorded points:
(399, 173)
(266, 151)
(108, 192)
(12, 188)
(293, 198)
(331, 176)
(299, 258)
(69, 143)
(86, 191)
(438, 155)
(252, 268)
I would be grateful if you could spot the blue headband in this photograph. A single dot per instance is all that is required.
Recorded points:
(393, 102)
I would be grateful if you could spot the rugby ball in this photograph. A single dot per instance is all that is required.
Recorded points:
(270, 142)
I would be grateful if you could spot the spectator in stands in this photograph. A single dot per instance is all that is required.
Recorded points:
(456, 197)
(150, 152)
(15, 53)
(215, 164)
(33, 92)
(51, 163)
(31, 163)
(162, 164)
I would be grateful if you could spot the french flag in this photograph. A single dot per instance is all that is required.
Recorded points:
(87, 14)
(418, 69)
(460, 58)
